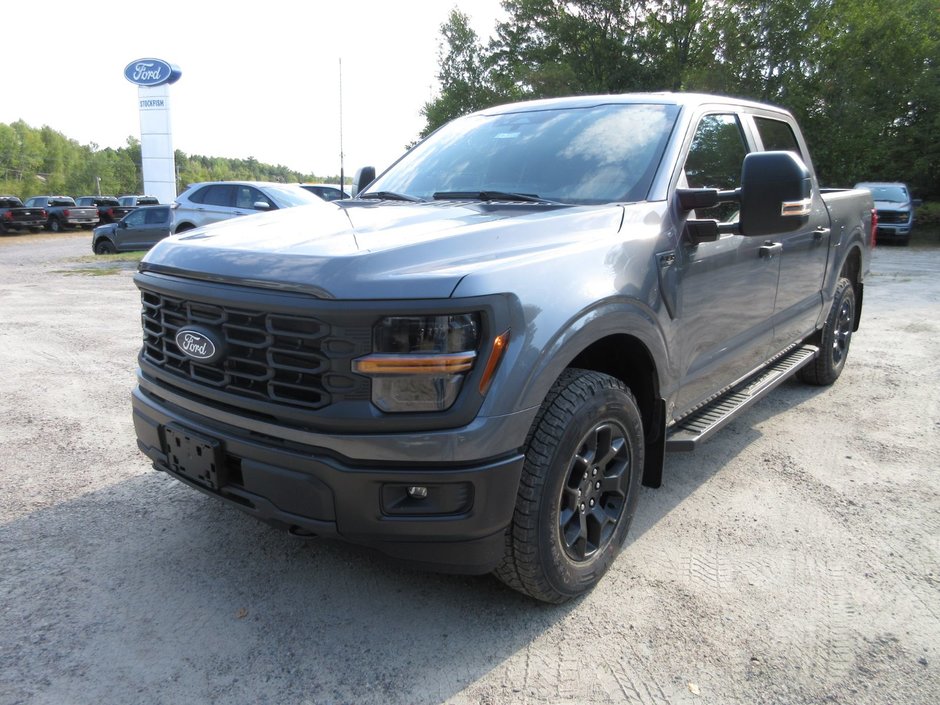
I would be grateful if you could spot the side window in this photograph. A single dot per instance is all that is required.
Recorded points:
(248, 196)
(135, 218)
(715, 158)
(218, 195)
(777, 136)
(157, 216)
(199, 196)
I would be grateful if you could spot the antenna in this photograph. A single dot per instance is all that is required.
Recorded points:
(342, 176)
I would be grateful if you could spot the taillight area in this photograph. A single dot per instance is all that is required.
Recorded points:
(110, 212)
(874, 227)
(66, 212)
(8, 216)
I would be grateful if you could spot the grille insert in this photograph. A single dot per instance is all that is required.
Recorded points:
(270, 357)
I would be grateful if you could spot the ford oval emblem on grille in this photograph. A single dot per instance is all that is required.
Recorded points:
(200, 345)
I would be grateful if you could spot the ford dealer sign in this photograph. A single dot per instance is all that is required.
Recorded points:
(151, 72)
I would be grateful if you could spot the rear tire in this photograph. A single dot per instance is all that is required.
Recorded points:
(54, 225)
(579, 488)
(835, 338)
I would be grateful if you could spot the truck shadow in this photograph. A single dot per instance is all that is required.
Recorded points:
(148, 591)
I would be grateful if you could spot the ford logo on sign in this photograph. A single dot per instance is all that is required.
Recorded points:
(151, 72)
(198, 344)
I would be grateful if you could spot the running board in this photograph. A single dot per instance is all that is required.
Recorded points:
(701, 424)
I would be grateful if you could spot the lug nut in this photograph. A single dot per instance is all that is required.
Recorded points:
(582, 506)
(594, 471)
(585, 476)
(592, 502)
(597, 485)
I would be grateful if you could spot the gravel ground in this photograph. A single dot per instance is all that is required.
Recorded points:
(793, 559)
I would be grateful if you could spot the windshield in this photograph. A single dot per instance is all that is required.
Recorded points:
(891, 194)
(599, 154)
(291, 195)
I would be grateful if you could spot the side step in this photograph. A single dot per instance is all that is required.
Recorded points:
(701, 424)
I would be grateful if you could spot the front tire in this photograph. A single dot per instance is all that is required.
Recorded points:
(835, 338)
(579, 488)
(105, 247)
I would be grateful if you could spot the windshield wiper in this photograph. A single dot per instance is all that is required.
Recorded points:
(490, 196)
(391, 196)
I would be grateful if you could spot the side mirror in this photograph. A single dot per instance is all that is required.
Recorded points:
(916, 202)
(123, 224)
(776, 193)
(261, 205)
(364, 176)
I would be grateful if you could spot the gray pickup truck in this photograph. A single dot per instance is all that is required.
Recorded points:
(15, 217)
(475, 363)
(62, 213)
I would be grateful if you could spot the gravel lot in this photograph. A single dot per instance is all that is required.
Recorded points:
(794, 559)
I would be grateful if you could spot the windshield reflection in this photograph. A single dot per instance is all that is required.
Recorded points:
(598, 154)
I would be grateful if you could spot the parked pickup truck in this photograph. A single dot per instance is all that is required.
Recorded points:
(132, 201)
(138, 230)
(895, 209)
(62, 213)
(109, 210)
(14, 216)
(476, 362)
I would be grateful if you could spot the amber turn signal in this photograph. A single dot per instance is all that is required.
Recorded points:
(500, 343)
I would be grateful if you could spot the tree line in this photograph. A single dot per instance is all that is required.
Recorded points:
(37, 161)
(861, 76)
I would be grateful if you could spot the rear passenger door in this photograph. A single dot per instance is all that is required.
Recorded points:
(214, 203)
(805, 251)
(156, 226)
(726, 288)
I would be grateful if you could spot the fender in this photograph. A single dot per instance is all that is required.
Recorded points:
(609, 317)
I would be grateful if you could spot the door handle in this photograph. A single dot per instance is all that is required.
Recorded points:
(820, 233)
(769, 249)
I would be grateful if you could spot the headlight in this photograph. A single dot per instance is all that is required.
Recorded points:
(419, 362)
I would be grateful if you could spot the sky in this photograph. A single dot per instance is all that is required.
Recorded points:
(259, 79)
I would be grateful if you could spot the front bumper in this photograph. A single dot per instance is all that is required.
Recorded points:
(893, 231)
(309, 489)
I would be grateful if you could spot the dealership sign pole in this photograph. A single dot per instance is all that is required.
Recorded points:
(153, 78)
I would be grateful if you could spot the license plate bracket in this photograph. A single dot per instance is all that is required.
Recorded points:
(194, 456)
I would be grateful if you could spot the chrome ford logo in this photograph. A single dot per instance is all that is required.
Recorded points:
(151, 72)
(197, 344)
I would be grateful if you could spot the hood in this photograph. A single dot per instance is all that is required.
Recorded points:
(364, 250)
(106, 229)
(892, 205)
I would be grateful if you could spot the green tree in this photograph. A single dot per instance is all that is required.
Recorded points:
(465, 83)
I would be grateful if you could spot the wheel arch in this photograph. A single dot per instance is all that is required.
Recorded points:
(625, 343)
(852, 270)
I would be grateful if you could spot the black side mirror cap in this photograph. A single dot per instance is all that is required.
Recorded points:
(364, 176)
(776, 193)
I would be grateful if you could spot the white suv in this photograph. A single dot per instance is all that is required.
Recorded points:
(213, 201)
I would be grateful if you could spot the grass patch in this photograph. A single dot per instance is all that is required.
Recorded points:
(120, 257)
(91, 271)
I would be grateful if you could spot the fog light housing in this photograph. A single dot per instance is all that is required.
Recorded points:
(419, 362)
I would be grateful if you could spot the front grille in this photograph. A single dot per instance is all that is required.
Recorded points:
(270, 357)
(893, 217)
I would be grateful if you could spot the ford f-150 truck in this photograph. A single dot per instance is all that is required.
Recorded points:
(62, 213)
(475, 363)
(109, 210)
(14, 216)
